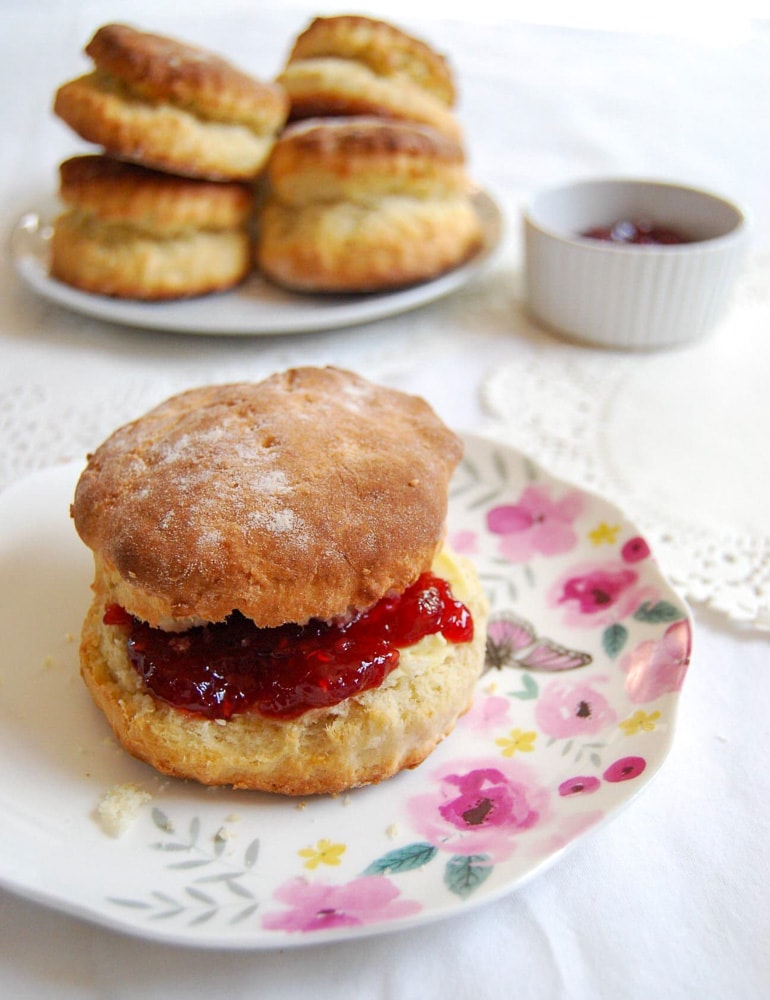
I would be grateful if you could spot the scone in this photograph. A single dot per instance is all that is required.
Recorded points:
(355, 65)
(136, 233)
(363, 205)
(274, 608)
(175, 107)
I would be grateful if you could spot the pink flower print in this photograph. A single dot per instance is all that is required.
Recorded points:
(594, 595)
(625, 769)
(581, 785)
(315, 906)
(479, 809)
(573, 708)
(634, 550)
(656, 667)
(486, 713)
(536, 524)
(465, 543)
(597, 590)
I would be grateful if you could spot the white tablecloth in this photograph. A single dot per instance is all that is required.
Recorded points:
(671, 898)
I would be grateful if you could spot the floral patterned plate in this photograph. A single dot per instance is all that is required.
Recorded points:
(588, 648)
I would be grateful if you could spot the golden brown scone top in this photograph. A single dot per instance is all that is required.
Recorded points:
(308, 495)
(125, 193)
(163, 69)
(384, 48)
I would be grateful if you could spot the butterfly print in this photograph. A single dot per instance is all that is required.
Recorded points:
(513, 641)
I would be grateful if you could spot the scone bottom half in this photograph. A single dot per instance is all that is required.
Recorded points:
(220, 650)
(134, 233)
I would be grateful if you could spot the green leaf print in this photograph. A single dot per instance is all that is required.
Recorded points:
(404, 859)
(614, 639)
(663, 611)
(466, 872)
(529, 688)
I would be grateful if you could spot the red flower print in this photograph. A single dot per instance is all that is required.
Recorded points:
(597, 594)
(625, 769)
(484, 797)
(479, 808)
(635, 550)
(598, 590)
(579, 786)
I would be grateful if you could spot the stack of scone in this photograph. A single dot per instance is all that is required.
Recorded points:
(274, 605)
(364, 204)
(198, 128)
(365, 190)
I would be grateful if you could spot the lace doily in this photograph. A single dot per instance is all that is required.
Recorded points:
(678, 440)
(45, 420)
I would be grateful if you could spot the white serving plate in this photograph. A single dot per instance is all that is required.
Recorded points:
(255, 308)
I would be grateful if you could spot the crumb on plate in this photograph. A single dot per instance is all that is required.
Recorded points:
(119, 807)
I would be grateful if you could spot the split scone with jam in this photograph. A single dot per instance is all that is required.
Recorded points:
(274, 605)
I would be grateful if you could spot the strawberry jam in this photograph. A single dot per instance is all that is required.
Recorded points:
(233, 666)
(638, 233)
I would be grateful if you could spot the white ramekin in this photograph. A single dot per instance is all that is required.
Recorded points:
(628, 295)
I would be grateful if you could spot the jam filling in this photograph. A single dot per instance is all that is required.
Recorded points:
(233, 666)
(637, 232)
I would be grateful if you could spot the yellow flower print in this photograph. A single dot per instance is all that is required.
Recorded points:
(604, 533)
(639, 722)
(515, 741)
(324, 853)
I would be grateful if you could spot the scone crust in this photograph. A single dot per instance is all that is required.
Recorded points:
(123, 262)
(162, 69)
(307, 495)
(159, 135)
(117, 192)
(385, 49)
(345, 248)
(332, 86)
(364, 740)
(364, 205)
(329, 159)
